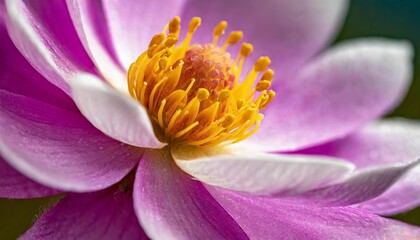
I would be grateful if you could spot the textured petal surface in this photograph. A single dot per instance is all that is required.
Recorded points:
(107, 214)
(386, 142)
(59, 148)
(15, 185)
(170, 205)
(91, 25)
(290, 32)
(362, 186)
(133, 24)
(114, 113)
(19, 77)
(43, 32)
(340, 91)
(268, 218)
(260, 173)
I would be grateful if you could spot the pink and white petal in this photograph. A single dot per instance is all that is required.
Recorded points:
(60, 148)
(91, 25)
(133, 24)
(289, 32)
(44, 34)
(19, 77)
(339, 92)
(114, 113)
(106, 214)
(171, 205)
(390, 141)
(364, 185)
(280, 174)
(271, 218)
(15, 185)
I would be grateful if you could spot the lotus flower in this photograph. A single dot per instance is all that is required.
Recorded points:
(168, 130)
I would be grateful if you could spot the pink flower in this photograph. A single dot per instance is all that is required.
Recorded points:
(321, 165)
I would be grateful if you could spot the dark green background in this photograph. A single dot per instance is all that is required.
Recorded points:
(388, 18)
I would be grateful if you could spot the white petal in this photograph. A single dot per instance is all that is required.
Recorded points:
(114, 113)
(86, 22)
(261, 173)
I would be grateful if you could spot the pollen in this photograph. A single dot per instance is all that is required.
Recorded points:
(194, 93)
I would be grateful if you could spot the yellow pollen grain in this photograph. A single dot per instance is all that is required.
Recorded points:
(194, 93)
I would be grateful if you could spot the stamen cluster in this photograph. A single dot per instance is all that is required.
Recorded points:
(192, 92)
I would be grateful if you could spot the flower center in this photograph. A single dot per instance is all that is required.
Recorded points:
(192, 92)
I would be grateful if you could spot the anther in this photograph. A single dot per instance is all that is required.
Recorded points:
(224, 95)
(262, 85)
(170, 41)
(227, 121)
(203, 94)
(220, 29)
(246, 49)
(234, 37)
(194, 24)
(268, 75)
(175, 25)
(157, 39)
(262, 63)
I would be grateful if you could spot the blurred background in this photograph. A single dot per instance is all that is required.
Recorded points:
(399, 19)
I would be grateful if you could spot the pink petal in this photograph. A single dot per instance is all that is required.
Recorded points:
(15, 185)
(336, 94)
(381, 143)
(133, 23)
(289, 32)
(261, 173)
(114, 113)
(59, 148)
(362, 186)
(44, 34)
(170, 205)
(270, 218)
(19, 77)
(107, 214)
(90, 22)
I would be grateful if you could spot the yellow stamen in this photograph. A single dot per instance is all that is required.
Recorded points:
(219, 30)
(193, 92)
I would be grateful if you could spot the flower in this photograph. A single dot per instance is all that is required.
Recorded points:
(320, 165)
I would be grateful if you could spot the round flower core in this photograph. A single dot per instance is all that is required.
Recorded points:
(193, 93)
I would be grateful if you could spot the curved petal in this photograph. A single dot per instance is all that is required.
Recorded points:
(59, 148)
(362, 186)
(90, 22)
(44, 34)
(289, 32)
(114, 113)
(15, 185)
(271, 173)
(269, 218)
(107, 214)
(385, 142)
(19, 77)
(133, 23)
(170, 205)
(336, 94)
